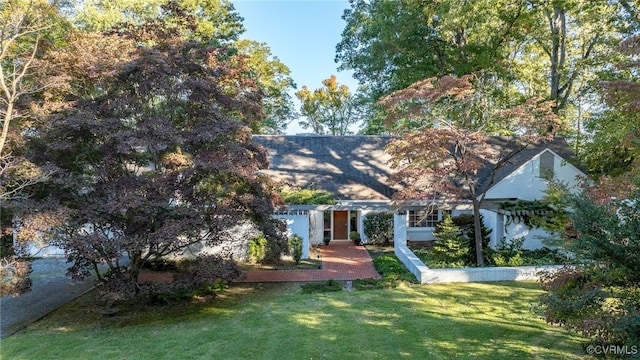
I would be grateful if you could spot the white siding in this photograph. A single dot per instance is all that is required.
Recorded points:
(299, 225)
(525, 182)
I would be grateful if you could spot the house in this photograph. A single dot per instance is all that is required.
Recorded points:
(355, 169)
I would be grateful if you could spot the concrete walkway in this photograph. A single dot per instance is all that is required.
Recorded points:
(341, 260)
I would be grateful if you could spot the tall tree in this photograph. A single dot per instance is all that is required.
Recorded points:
(443, 140)
(28, 30)
(217, 22)
(154, 147)
(550, 49)
(330, 109)
(274, 79)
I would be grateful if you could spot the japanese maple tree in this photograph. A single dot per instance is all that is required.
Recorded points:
(443, 127)
(153, 141)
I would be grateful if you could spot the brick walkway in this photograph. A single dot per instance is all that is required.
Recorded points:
(341, 260)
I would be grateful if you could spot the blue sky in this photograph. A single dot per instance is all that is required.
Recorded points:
(303, 34)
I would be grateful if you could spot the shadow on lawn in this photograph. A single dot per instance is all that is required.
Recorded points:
(277, 321)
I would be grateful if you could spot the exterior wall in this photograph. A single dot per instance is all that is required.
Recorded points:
(525, 182)
(316, 232)
(426, 233)
(502, 228)
(299, 225)
(361, 215)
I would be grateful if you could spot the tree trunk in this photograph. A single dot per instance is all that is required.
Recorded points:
(134, 272)
(477, 226)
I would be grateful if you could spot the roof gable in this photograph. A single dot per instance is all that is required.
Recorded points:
(356, 167)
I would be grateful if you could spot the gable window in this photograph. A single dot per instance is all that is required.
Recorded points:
(425, 218)
(546, 164)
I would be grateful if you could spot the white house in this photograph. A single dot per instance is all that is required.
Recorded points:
(355, 169)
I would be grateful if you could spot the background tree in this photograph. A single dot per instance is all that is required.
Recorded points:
(443, 128)
(274, 79)
(549, 49)
(330, 109)
(28, 30)
(217, 22)
(153, 146)
(613, 155)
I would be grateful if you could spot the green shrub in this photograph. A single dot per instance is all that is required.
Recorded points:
(452, 248)
(378, 226)
(257, 248)
(509, 253)
(295, 246)
(325, 286)
(355, 237)
(466, 224)
(391, 268)
(308, 197)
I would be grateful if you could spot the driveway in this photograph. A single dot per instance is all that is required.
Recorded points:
(51, 289)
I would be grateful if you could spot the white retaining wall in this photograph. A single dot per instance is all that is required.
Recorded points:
(429, 276)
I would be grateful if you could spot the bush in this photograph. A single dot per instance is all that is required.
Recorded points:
(318, 287)
(355, 237)
(295, 246)
(599, 299)
(392, 269)
(205, 275)
(378, 226)
(257, 248)
(453, 248)
(308, 197)
(509, 253)
(466, 224)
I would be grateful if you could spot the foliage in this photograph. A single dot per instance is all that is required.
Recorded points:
(509, 253)
(328, 110)
(295, 247)
(274, 79)
(378, 226)
(444, 141)
(612, 154)
(452, 247)
(355, 237)
(466, 223)
(29, 30)
(257, 248)
(557, 50)
(152, 140)
(205, 275)
(599, 298)
(217, 22)
(392, 269)
(14, 276)
(322, 287)
(307, 197)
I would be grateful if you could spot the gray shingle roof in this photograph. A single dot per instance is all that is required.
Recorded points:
(356, 168)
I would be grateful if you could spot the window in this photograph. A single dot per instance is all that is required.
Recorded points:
(546, 164)
(425, 218)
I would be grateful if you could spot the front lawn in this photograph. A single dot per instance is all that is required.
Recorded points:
(279, 321)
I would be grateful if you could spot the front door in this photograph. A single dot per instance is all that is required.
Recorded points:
(341, 225)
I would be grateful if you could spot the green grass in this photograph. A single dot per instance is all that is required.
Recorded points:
(278, 321)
